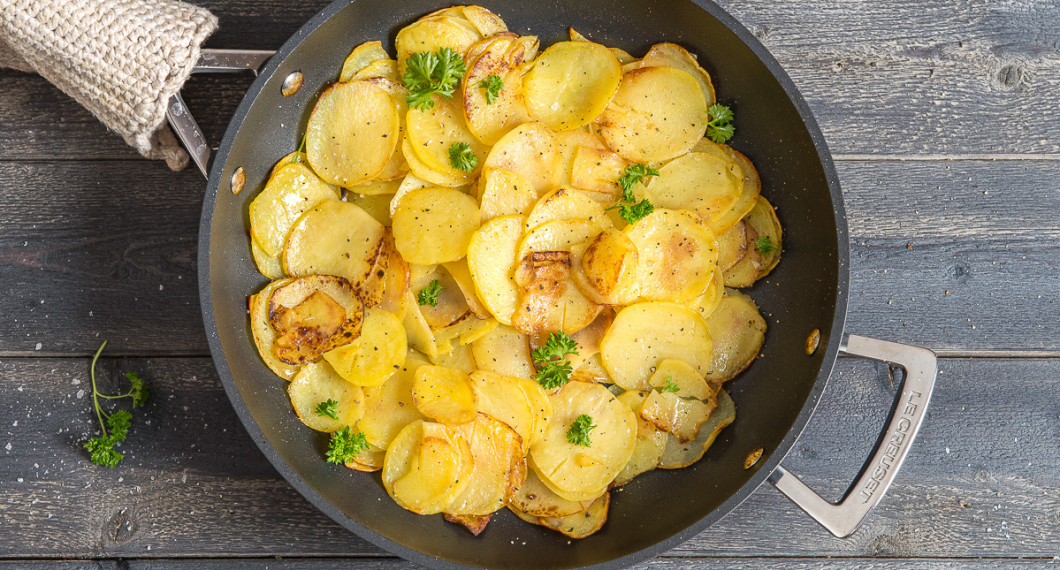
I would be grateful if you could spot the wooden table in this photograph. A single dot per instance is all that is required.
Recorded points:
(944, 120)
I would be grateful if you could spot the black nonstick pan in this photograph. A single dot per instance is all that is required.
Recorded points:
(807, 292)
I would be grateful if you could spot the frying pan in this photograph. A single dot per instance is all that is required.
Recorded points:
(775, 397)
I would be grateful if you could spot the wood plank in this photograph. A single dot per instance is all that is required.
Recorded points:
(954, 256)
(658, 564)
(60, 565)
(881, 79)
(976, 484)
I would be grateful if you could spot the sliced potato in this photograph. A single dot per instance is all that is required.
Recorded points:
(491, 260)
(288, 194)
(419, 333)
(499, 467)
(550, 301)
(333, 238)
(575, 472)
(678, 455)
(449, 305)
(372, 288)
(721, 222)
(504, 351)
(762, 230)
(377, 205)
(435, 225)
(267, 265)
(739, 330)
(657, 114)
(422, 171)
(504, 56)
(557, 235)
(673, 55)
(504, 193)
(680, 417)
(465, 330)
(567, 204)
(431, 35)
(361, 57)
(475, 524)
(605, 269)
(571, 83)
(458, 357)
(313, 315)
(369, 460)
(352, 133)
(732, 246)
(708, 301)
(597, 170)
(676, 255)
(426, 467)
(384, 68)
(264, 335)
(317, 383)
(504, 399)
(537, 500)
(396, 283)
(592, 370)
(461, 275)
(375, 355)
(539, 405)
(646, 333)
(709, 184)
(397, 167)
(432, 132)
(651, 441)
(581, 525)
(487, 23)
(531, 150)
(588, 339)
(389, 407)
(676, 373)
(444, 395)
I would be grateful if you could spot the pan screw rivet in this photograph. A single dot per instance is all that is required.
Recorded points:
(292, 84)
(239, 178)
(812, 341)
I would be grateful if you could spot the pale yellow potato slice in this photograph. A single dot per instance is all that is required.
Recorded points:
(444, 395)
(676, 255)
(674, 372)
(264, 335)
(487, 23)
(539, 405)
(504, 351)
(570, 84)
(646, 333)
(673, 55)
(432, 132)
(312, 315)
(576, 472)
(537, 500)
(651, 441)
(461, 275)
(409, 183)
(567, 203)
(557, 235)
(581, 525)
(465, 330)
(592, 370)
(389, 407)
(738, 330)
(499, 467)
(267, 265)
(732, 246)
(532, 150)
(680, 417)
(505, 56)
(549, 299)
(761, 224)
(588, 339)
(431, 35)
(384, 68)
(377, 205)
(369, 460)
(678, 455)
(709, 184)
(291, 158)
(424, 172)
(396, 281)
(288, 194)
(426, 467)
(657, 114)
(376, 354)
(333, 238)
(504, 399)
(491, 260)
(435, 225)
(721, 222)
(708, 301)
(449, 306)
(360, 58)
(504, 193)
(597, 170)
(352, 132)
(419, 333)
(459, 357)
(397, 167)
(605, 268)
(317, 383)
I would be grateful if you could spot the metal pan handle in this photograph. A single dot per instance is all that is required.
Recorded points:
(842, 519)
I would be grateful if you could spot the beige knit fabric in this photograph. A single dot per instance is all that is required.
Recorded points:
(121, 59)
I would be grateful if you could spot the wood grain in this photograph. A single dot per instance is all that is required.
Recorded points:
(667, 563)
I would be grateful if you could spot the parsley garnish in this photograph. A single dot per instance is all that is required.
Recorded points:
(634, 212)
(345, 445)
(670, 386)
(629, 209)
(765, 245)
(578, 434)
(461, 157)
(720, 128)
(429, 73)
(493, 86)
(554, 370)
(328, 409)
(429, 294)
(115, 425)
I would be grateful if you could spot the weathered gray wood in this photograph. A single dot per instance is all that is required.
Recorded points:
(965, 259)
(660, 563)
(980, 482)
(61, 565)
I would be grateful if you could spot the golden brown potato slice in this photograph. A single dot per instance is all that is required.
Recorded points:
(567, 204)
(739, 331)
(389, 406)
(680, 417)
(651, 441)
(581, 525)
(504, 193)
(491, 260)
(678, 455)
(504, 351)
(578, 472)
(549, 300)
(317, 383)
(720, 222)
(376, 354)
(444, 395)
(570, 84)
(461, 275)
(288, 194)
(361, 57)
(313, 315)
(424, 172)
(432, 132)
(646, 333)
(657, 114)
(396, 282)
(673, 55)
(267, 265)
(352, 133)
(597, 170)
(588, 339)
(291, 158)
(504, 56)
(384, 68)
(504, 399)
(333, 238)
(531, 150)
(373, 288)
(763, 242)
(430, 34)
(676, 255)
(535, 499)
(264, 335)
(605, 269)
(557, 235)
(435, 225)
(679, 377)
(499, 467)
(426, 467)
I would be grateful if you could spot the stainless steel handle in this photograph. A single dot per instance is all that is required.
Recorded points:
(843, 518)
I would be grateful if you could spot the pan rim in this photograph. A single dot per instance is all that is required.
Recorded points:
(764, 468)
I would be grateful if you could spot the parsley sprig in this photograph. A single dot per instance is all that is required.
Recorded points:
(429, 73)
(328, 409)
(629, 208)
(553, 369)
(345, 445)
(578, 434)
(670, 386)
(115, 425)
(720, 128)
(461, 157)
(429, 294)
(493, 85)
(765, 246)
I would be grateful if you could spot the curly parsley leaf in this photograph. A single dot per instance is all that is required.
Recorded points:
(765, 246)
(461, 157)
(554, 374)
(429, 294)
(493, 85)
(720, 128)
(115, 425)
(634, 212)
(345, 445)
(119, 423)
(140, 391)
(670, 386)
(554, 371)
(429, 73)
(578, 434)
(101, 452)
(328, 408)
(557, 346)
(633, 174)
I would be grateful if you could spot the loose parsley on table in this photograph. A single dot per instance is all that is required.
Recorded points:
(720, 128)
(554, 370)
(578, 434)
(328, 408)
(461, 157)
(429, 73)
(493, 85)
(429, 294)
(628, 208)
(765, 246)
(101, 448)
(345, 445)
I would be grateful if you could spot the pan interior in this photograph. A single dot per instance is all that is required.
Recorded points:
(774, 397)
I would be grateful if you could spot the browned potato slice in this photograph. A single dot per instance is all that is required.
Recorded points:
(449, 306)
(370, 459)
(598, 170)
(537, 500)
(591, 370)
(588, 339)
(396, 282)
(581, 525)
(504, 399)
(567, 204)
(739, 331)
(458, 357)
(504, 351)
(549, 300)
(475, 524)
(431, 34)
(709, 184)
(503, 55)
(720, 222)
(676, 373)
(491, 260)
(657, 114)
(531, 150)
(373, 288)
(504, 193)
(444, 395)
(571, 83)
(681, 417)
(435, 225)
(557, 235)
(313, 315)
(576, 472)
(646, 333)
(267, 265)
(605, 269)
(315, 383)
(762, 229)
(426, 467)
(263, 333)
(361, 57)
(425, 173)
(374, 356)
(288, 194)
(432, 132)
(389, 407)
(676, 255)
(499, 467)
(678, 455)
(651, 441)
(461, 275)
(352, 133)
(333, 238)
(673, 55)
(384, 68)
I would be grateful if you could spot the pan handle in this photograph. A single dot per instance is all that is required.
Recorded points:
(842, 519)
